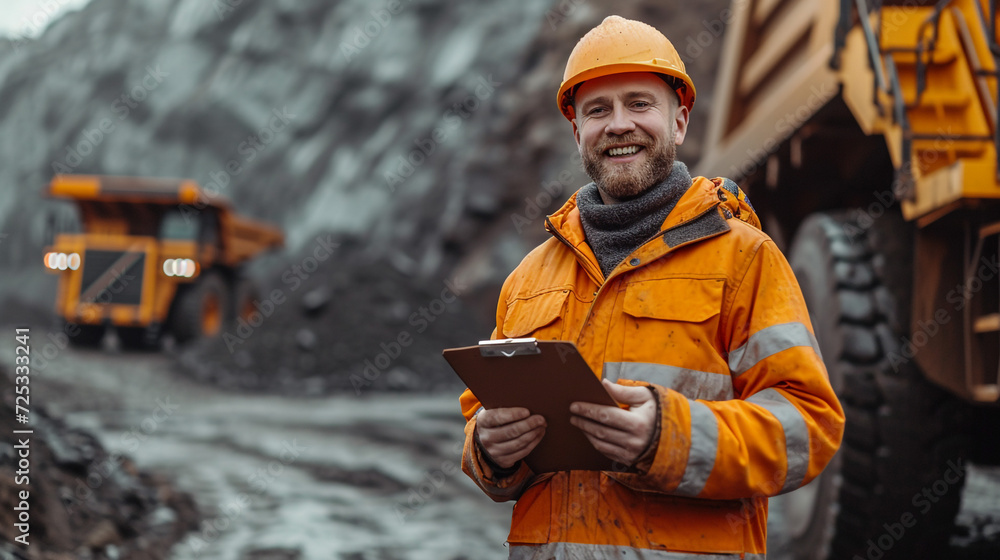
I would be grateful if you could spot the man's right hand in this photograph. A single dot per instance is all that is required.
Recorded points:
(509, 434)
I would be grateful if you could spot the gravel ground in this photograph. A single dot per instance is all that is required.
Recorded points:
(278, 477)
(82, 502)
(374, 476)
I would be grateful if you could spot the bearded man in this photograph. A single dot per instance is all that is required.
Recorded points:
(690, 315)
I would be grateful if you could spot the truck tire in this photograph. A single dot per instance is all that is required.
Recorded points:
(86, 336)
(200, 308)
(904, 436)
(138, 338)
(246, 292)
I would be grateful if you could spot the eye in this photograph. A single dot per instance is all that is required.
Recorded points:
(641, 104)
(597, 111)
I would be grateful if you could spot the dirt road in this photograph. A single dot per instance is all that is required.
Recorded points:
(372, 477)
(341, 477)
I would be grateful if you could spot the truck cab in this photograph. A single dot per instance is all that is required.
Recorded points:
(154, 256)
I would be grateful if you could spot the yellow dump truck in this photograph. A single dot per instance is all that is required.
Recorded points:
(154, 256)
(866, 135)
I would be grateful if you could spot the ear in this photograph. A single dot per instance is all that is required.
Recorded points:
(680, 124)
(576, 133)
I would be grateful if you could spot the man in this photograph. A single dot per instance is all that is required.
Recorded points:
(691, 316)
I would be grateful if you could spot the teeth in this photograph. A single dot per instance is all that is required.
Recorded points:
(628, 150)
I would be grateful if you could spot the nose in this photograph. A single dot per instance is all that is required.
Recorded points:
(620, 121)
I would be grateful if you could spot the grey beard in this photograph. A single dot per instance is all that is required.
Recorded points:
(622, 184)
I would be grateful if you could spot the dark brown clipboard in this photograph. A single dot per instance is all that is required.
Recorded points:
(544, 376)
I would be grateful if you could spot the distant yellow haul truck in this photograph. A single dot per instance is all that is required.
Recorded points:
(154, 256)
(865, 132)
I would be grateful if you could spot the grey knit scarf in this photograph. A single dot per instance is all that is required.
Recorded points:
(615, 230)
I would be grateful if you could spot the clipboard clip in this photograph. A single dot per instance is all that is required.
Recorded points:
(509, 347)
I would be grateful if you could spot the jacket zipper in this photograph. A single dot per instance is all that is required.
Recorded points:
(580, 258)
(600, 287)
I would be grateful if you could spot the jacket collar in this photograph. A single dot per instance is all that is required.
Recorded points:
(696, 216)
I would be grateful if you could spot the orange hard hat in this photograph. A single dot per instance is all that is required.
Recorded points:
(620, 45)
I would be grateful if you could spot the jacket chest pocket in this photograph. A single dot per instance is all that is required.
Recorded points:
(673, 321)
(540, 316)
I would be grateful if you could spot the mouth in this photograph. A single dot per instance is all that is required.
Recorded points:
(623, 151)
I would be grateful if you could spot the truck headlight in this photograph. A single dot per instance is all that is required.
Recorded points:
(185, 268)
(62, 261)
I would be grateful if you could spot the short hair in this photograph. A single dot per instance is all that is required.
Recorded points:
(676, 85)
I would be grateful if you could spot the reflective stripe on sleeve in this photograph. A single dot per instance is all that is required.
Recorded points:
(704, 446)
(578, 550)
(796, 434)
(691, 383)
(768, 342)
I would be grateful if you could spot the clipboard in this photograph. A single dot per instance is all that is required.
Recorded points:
(544, 376)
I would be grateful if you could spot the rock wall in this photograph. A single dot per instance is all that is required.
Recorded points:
(419, 127)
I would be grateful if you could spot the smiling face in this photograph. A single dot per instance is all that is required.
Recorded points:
(628, 127)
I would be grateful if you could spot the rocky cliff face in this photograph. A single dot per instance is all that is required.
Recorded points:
(421, 135)
(418, 126)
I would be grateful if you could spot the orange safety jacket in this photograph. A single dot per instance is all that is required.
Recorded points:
(708, 314)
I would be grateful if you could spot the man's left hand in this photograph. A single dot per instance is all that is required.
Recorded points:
(621, 435)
